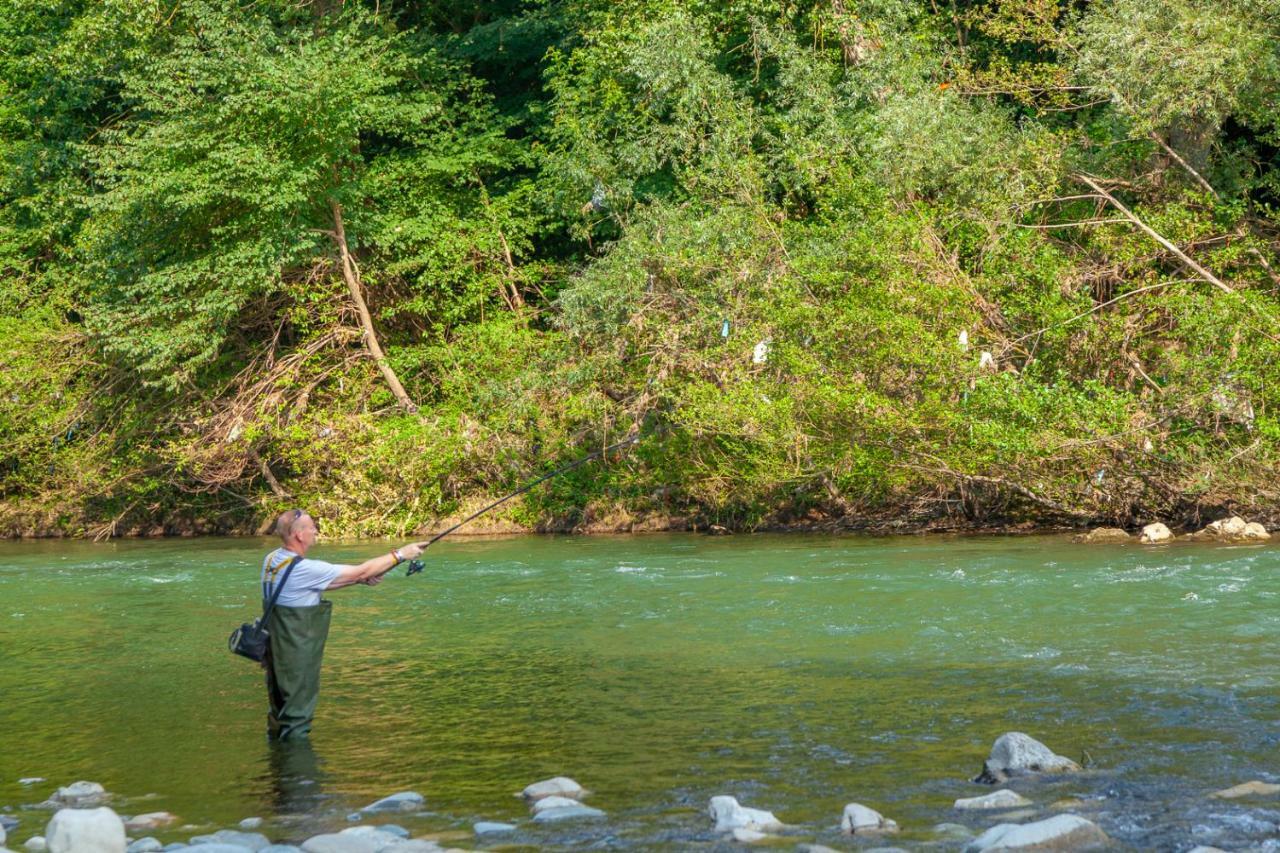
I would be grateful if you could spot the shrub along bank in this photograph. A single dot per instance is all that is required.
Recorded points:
(877, 265)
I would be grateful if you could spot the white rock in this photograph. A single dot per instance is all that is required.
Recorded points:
(576, 811)
(760, 354)
(248, 823)
(1104, 534)
(36, 843)
(404, 801)
(145, 845)
(857, 818)
(1247, 789)
(1155, 533)
(251, 840)
(1002, 799)
(553, 802)
(1063, 832)
(150, 820)
(729, 815)
(80, 794)
(1016, 753)
(561, 786)
(86, 831)
(347, 842)
(490, 827)
(1254, 530)
(748, 836)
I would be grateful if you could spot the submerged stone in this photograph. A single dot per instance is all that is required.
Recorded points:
(489, 827)
(1247, 789)
(80, 794)
(574, 812)
(405, 801)
(254, 841)
(145, 845)
(1002, 799)
(1103, 534)
(151, 820)
(1063, 832)
(552, 802)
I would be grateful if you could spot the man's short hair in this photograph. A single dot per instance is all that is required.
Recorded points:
(286, 520)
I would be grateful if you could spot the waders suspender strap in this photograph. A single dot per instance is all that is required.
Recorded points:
(266, 610)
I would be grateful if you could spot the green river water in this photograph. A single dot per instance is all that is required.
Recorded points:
(797, 673)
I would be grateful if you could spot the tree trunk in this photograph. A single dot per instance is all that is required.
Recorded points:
(351, 273)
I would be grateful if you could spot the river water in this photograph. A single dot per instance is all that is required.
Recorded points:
(797, 673)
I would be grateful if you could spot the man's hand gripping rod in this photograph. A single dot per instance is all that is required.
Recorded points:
(416, 566)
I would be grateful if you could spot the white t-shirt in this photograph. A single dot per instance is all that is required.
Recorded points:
(307, 580)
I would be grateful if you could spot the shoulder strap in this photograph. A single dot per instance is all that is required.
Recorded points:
(279, 587)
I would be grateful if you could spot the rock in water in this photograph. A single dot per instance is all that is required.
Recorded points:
(559, 786)
(1002, 799)
(145, 845)
(858, 819)
(1104, 534)
(491, 827)
(1015, 753)
(553, 802)
(151, 820)
(358, 839)
(1153, 534)
(37, 844)
(1247, 789)
(85, 831)
(405, 801)
(1064, 832)
(577, 811)
(252, 840)
(729, 815)
(80, 794)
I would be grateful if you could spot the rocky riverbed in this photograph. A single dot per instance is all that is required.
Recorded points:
(1012, 813)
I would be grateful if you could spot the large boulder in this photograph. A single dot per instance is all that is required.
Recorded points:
(729, 815)
(1104, 534)
(1017, 754)
(85, 831)
(559, 786)
(1154, 534)
(1232, 529)
(1063, 832)
(1002, 799)
(858, 819)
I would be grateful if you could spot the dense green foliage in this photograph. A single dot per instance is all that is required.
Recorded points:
(881, 263)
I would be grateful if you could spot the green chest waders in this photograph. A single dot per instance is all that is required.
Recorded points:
(298, 636)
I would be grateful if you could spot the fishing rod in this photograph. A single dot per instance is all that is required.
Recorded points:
(416, 566)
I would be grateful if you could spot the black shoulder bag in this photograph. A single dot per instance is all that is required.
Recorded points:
(250, 639)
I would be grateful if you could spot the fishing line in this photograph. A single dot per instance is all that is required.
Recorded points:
(416, 566)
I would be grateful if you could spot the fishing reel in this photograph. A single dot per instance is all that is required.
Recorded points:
(415, 566)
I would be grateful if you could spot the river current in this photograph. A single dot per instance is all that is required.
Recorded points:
(797, 673)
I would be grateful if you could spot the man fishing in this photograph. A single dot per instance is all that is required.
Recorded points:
(299, 621)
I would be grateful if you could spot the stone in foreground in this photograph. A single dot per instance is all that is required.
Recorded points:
(730, 815)
(858, 819)
(559, 786)
(37, 844)
(1233, 529)
(1063, 832)
(358, 839)
(742, 835)
(405, 801)
(145, 845)
(577, 811)
(85, 831)
(1002, 799)
(1154, 534)
(1015, 754)
(1247, 789)
(492, 827)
